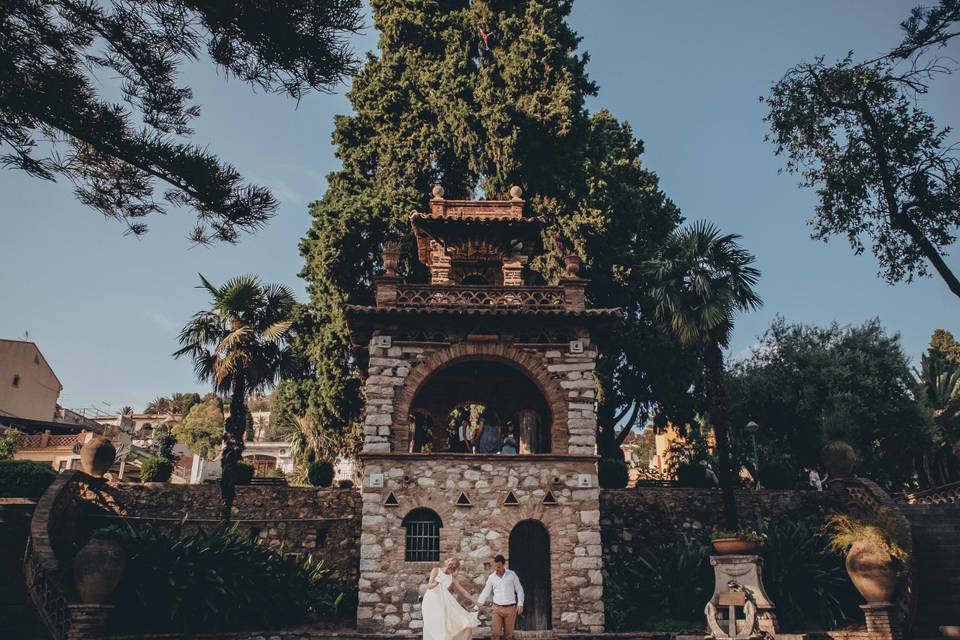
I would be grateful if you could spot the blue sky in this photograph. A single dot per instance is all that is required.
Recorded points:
(105, 308)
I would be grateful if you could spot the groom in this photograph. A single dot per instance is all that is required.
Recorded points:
(507, 599)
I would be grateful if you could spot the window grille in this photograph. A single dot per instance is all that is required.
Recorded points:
(423, 536)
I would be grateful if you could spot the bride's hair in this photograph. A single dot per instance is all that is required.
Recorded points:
(455, 561)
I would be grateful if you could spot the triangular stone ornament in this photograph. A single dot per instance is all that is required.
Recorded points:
(550, 498)
(391, 501)
(511, 500)
(464, 501)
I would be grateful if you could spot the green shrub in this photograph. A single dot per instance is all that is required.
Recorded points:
(321, 473)
(9, 443)
(275, 473)
(776, 476)
(345, 484)
(805, 579)
(25, 478)
(238, 474)
(693, 475)
(839, 458)
(215, 580)
(613, 474)
(662, 587)
(155, 469)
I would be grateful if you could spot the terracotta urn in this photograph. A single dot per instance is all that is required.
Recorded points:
(733, 546)
(97, 456)
(97, 570)
(872, 571)
(573, 264)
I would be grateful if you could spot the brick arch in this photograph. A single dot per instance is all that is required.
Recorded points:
(532, 365)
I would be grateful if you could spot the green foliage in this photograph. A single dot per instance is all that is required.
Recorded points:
(693, 475)
(436, 106)
(667, 582)
(320, 474)
(202, 429)
(215, 580)
(806, 385)
(938, 388)
(156, 469)
(163, 446)
(25, 478)
(128, 153)
(883, 169)
(806, 580)
(878, 530)
(9, 443)
(777, 476)
(666, 586)
(275, 473)
(613, 474)
(237, 474)
(345, 484)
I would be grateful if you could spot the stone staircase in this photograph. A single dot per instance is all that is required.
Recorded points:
(936, 545)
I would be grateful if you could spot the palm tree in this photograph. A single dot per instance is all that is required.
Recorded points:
(702, 278)
(939, 387)
(241, 345)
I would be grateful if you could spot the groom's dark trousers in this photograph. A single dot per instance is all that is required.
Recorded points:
(504, 620)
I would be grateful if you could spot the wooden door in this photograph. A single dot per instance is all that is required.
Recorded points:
(530, 559)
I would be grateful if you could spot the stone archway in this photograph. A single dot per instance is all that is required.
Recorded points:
(530, 559)
(530, 364)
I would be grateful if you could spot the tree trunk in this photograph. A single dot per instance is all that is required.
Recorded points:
(233, 433)
(717, 401)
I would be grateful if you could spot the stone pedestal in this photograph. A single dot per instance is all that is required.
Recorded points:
(881, 618)
(88, 621)
(738, 593)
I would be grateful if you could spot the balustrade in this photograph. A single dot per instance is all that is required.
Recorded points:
(480, 296)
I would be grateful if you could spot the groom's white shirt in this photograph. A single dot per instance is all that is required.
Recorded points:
(506, 590)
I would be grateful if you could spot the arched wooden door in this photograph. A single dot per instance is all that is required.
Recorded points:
(530, 559)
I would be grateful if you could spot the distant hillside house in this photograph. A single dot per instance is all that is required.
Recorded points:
(28, 386)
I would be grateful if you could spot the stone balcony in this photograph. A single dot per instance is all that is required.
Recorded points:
(480, 296)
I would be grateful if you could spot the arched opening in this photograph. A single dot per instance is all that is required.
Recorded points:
(474, 279)
(422, 538)
(262, 464)
(501, 409)
(530, 559)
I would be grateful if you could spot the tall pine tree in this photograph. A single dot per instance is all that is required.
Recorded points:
(479, 96)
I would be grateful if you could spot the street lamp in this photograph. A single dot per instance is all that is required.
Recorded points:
(752, 428)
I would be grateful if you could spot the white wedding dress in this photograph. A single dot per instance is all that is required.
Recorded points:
(443, 617)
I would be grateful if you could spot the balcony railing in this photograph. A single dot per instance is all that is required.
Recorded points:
(480, 296)
(49, 441)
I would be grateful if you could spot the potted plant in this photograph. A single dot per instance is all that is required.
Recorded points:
(839, 458)
(875, 553)
(739, 542)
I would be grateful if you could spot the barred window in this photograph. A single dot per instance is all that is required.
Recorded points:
(423, 536)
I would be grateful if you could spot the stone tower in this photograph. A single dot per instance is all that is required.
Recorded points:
(476, 340)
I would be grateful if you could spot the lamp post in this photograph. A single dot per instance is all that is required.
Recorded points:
(752, 428)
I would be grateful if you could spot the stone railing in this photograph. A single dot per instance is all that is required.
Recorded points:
(944, 494)
(49, 441)
(480, 296)
(47, 578)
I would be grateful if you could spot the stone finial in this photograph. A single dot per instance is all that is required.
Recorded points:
(516, 192)
(391, 257)
(438, 192)
(573, 264)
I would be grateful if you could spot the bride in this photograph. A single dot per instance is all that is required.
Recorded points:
(443, 617)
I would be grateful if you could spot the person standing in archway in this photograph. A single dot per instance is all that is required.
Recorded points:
(488, 436)
(504, 585)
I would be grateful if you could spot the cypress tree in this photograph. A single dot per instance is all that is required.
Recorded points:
(479, 96)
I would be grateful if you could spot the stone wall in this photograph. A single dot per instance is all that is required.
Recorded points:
(390, 586)
(321, 522)
(635, 518)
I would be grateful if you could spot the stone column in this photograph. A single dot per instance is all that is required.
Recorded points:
(881, 620)
(88, 621)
